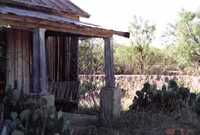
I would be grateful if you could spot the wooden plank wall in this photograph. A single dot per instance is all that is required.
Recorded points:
(19, 59)
(55, 57)
(62, 57)
(62, 61)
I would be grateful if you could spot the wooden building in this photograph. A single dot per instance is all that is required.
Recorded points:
(39, 47)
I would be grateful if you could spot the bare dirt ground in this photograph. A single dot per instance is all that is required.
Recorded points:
(184, 122)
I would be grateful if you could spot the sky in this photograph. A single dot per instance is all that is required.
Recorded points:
(117, 14)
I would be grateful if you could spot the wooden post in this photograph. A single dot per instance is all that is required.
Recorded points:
(40, 82)
(108, 61)
(43, 63)
(36, 63)
(110, 101)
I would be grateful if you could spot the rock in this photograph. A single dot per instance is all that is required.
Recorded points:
(24, 115)
(8, 125)
(17, 132)
(13, 115)
(50, 100)
(52, 112)
(4, 131)
(16, 95)
(60, 114)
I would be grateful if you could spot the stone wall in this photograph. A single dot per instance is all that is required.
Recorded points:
(129, 84)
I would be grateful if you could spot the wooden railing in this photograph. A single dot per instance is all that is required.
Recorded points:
(67, 91)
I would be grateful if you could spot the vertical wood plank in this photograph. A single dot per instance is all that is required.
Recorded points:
(26, 60)
(49, 57)
(19, 79)
(19, 59)
(30, 58)
(10, 61)
(15, 57)
(67, 58)
(74, 59)
(53, 58)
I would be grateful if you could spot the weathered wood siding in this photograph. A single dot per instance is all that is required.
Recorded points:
(62, 57)
(62, 63)
(55, 46)
(65, 90)
(19, 59)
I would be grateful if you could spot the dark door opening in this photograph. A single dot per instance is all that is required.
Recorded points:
(2, 61)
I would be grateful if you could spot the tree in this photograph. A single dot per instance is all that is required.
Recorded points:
(142, 35)
(187, 39)
(124, 58)
(91, 56)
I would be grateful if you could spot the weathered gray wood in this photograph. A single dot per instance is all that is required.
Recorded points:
(36, 62)
(64, 90)
(110, 104)
(108, 61)
(26, 62)
(78, 55)
(110, 95)
(15, 58)
(43, 62)
(10, 61)
(19, 48)
(67, 58)
(40, 82)
(18, 59)
(74, 58)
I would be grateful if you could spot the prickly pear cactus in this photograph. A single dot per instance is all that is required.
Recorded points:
(168, 99)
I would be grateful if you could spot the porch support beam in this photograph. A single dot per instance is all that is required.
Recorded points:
(110, 95)
(108, 62)
(40, 81)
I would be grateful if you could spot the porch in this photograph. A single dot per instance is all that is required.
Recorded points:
(42, 54)
(61, 62)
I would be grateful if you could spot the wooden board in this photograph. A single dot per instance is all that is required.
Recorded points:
(62, 57)
(19, 59)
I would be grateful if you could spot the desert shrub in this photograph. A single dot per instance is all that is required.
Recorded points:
(168, 99)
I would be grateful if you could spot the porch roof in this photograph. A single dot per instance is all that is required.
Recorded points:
(16, 17)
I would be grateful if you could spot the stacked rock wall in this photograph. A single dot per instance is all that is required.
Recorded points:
(129, 84)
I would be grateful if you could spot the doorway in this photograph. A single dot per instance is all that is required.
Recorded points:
(2, 61)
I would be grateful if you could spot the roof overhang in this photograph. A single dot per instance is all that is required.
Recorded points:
(32, 19)
(34, 5)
